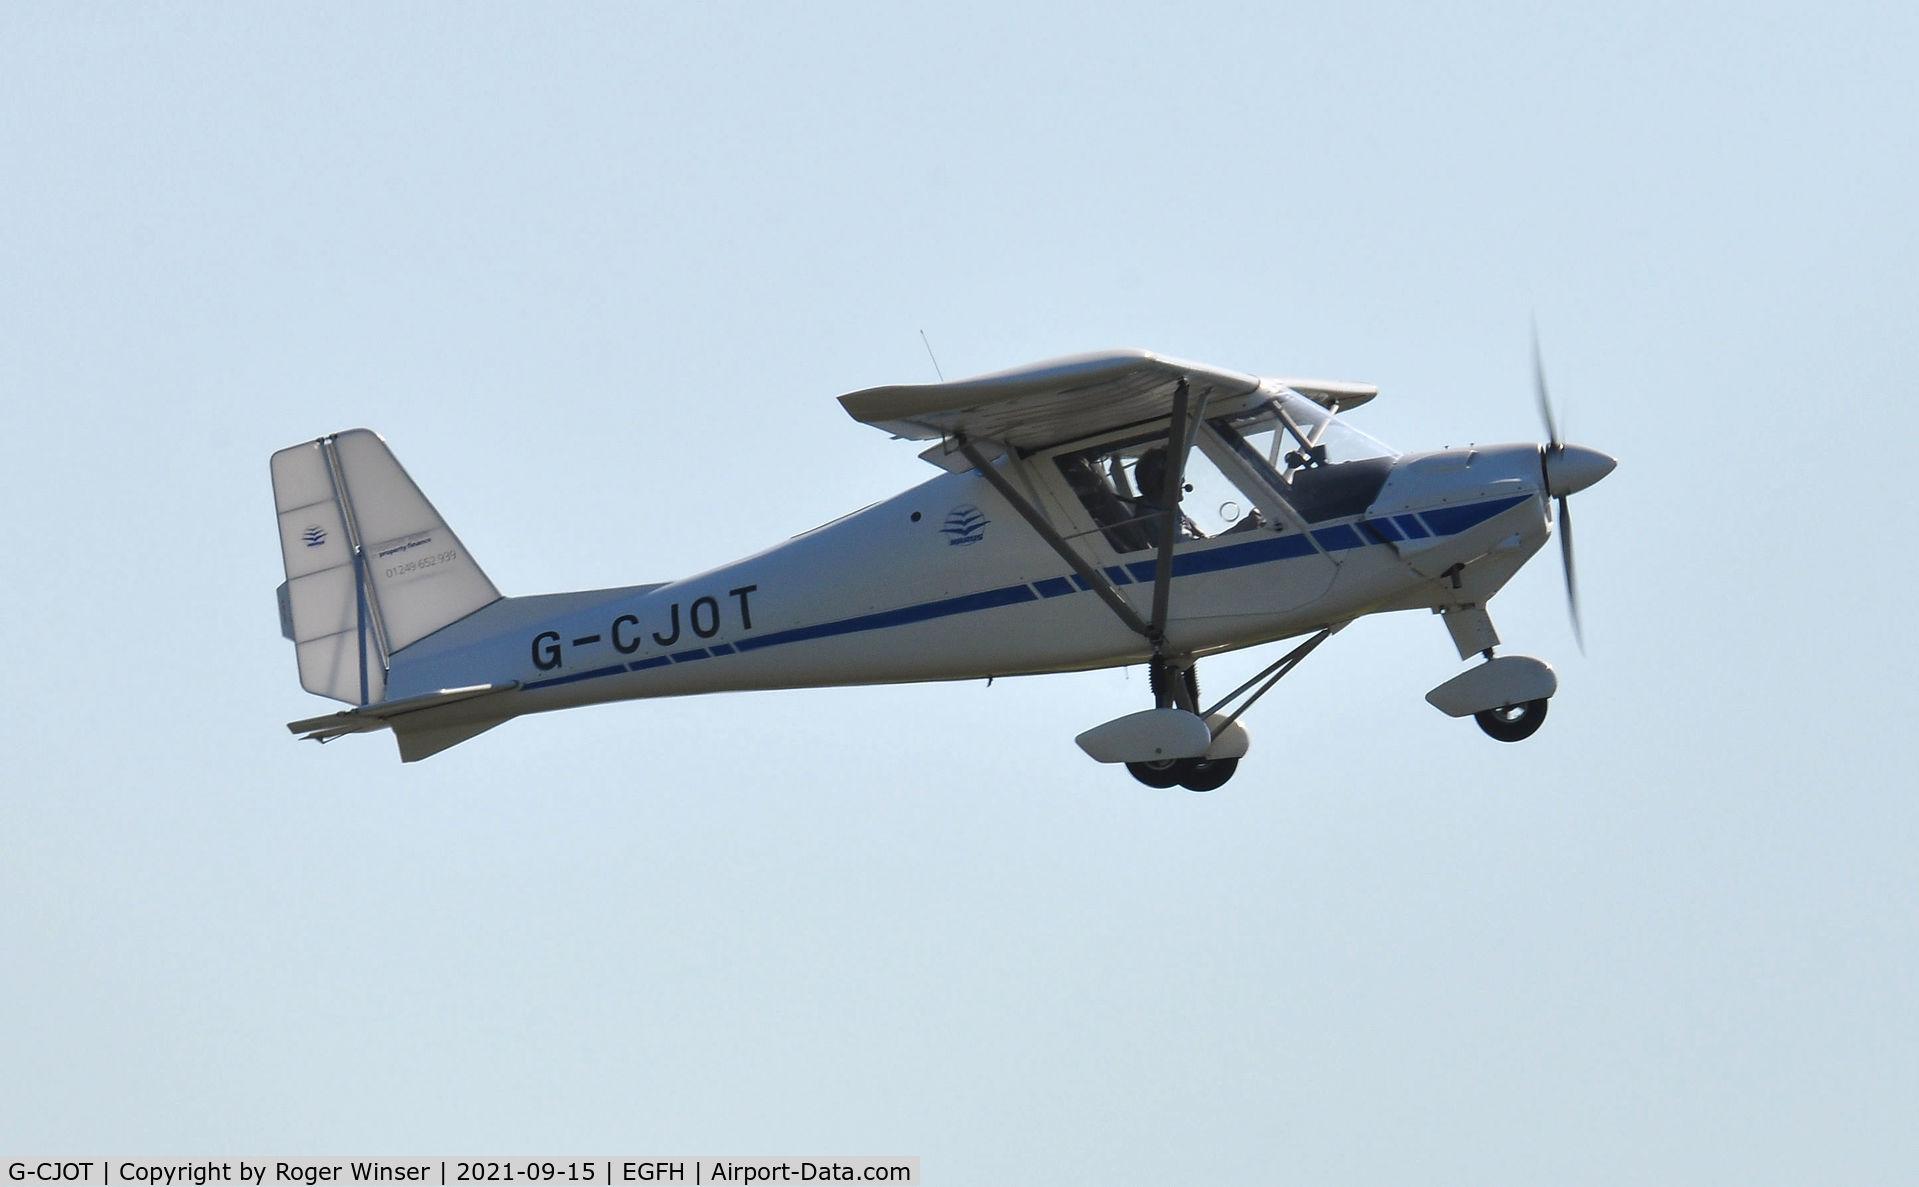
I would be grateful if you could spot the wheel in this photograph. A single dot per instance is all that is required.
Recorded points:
(1156, 774)
(1194, 774)
(1207, 774)
(1514, 723)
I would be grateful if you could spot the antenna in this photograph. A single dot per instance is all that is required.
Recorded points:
(929, 354)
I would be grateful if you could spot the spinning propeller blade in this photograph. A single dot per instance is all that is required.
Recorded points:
(1572, 583)
(1539, 393)
(1565, 468)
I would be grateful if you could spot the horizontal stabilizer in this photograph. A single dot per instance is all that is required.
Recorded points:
(424, 725)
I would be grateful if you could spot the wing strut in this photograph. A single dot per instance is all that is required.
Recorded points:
(1172, 486)
(1182, 432)
(1094, 579)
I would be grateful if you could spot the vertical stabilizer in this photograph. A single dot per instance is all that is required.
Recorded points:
(370, 565)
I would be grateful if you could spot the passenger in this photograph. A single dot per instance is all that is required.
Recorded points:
(1113, 514)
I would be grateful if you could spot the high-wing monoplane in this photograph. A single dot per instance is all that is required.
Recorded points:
(1095, 511)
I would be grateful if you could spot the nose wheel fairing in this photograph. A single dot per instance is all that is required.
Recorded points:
(1506, 695)
(1494, 685)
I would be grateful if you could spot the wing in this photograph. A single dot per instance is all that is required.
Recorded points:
(1064, 399)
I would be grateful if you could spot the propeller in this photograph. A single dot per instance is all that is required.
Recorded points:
(1566, 469)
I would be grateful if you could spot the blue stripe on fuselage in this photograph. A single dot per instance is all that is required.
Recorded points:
(1446, 521)
(904, 616)
(1385, 529)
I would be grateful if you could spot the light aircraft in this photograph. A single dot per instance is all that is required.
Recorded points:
(1094, 511)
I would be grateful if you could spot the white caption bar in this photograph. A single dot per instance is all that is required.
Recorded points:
(454, 1172)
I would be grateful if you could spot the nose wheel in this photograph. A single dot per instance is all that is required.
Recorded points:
(1513, 723)
(1506, 695)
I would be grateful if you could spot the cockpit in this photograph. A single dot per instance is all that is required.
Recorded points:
(1283, 462)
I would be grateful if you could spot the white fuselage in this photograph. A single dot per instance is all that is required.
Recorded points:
(947, 581)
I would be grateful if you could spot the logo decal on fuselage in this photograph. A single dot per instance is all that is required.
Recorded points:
(965, 524)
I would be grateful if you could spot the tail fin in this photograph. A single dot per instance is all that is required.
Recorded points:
(370, 565)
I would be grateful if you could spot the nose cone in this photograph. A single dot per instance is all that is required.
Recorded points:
(1571, 468)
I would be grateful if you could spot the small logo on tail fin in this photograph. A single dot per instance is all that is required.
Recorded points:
(314, 536)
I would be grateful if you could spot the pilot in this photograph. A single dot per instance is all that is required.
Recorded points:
(1149, 475)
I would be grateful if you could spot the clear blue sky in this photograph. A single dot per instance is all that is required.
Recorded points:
(596, 272)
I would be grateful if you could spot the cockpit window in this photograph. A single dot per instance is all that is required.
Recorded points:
(1121, 484)
(1287, 461)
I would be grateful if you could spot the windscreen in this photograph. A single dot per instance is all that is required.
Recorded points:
(1285, 429)
(1322, 467)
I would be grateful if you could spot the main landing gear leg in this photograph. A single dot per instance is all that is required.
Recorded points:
(1208, 773)
(1178, 688)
